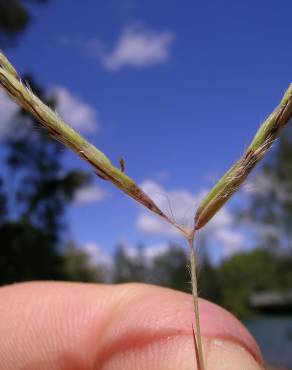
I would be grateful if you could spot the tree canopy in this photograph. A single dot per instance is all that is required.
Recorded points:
(15, 17)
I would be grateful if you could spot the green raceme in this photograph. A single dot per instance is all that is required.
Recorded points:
(235, 176)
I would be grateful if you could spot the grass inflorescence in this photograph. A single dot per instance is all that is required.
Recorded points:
(214, 200)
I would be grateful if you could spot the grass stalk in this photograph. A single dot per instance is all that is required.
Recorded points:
(194, 282)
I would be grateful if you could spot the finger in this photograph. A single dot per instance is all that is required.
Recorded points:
(62, 326)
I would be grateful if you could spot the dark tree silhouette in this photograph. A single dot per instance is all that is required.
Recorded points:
(3, 209)
(14, 19)
(129, 268)
(37, 188)
(27, 254)
(42, 187)
(170, 269)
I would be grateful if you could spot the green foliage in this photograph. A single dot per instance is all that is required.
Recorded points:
(170, 269)
(230, 284)
(210, 287)
(246, 273)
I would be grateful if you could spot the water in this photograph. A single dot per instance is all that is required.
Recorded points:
(274, 336)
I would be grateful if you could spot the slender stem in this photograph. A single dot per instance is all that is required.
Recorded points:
(197, 335)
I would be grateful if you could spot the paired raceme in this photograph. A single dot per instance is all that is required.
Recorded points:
(209, 206)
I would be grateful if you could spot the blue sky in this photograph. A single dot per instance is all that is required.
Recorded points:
(176, 88)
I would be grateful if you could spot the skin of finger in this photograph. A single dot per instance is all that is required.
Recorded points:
(64, 326)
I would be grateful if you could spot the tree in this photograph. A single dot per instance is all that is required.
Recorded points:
(270, 209)
(27, 254)
(42, 187)
(3, 208)
(170, 269)
(32, 210)
(166, 268)
(78, 267)
(129, 268)
(209, 281)
(14, 19)
(246, 273)
(42, 190)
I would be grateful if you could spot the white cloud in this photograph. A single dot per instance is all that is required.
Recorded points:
(75, 112)
(220, 231)
(156, 250)
(179, 205)
(139, 47)
(263, 185)
(149, 225)
(149, 252)
(263, 232)
(97, 255)
(266, 183)
(89, 194)
(8, 110)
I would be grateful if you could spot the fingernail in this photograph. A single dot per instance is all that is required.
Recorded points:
(226, 355)
(179, 354)
(218, 323)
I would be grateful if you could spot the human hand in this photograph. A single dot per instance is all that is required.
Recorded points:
(71, 326)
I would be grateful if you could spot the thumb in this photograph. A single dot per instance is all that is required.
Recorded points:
(69, 326)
